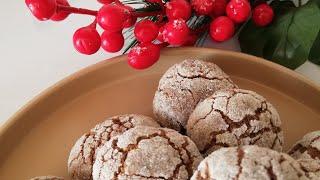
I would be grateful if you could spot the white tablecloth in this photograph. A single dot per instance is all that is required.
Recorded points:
(34, 55)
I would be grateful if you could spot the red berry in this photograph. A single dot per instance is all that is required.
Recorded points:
(146, 31)
(160, 34)
(112, 17)
(262, 15)
(175, 32)
(191, 40)
(221, 29)
(59, 16)
(143, 55)
(112, 41)
(131, 20)
(176, 9)
(202, 7)
(42, 9)
(105, 1)
(219, 7)
(238, 10)
(87, 40)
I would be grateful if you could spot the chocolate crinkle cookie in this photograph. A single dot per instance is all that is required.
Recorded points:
(182, 87)
(147, 153)
(307, 147)
(48, 177)
(248, 163)
(311, 168)
(232, 118)
(82, 155)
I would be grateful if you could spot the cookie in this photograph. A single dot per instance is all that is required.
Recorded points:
(182, 87)
(307, 147)
(49, 177)
(83, 153)
(232, 118)
(311, 168)
(147, 153)
(248, 163)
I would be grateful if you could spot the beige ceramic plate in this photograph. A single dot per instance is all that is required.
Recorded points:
(37, 140)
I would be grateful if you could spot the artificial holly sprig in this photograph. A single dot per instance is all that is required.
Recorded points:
(161, 23)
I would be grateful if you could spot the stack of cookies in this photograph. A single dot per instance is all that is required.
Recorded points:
(199, 112)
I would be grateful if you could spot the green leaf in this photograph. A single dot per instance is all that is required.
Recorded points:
(314, 55)
(288, 39)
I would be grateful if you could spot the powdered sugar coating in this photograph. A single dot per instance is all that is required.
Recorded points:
(147, 153)
(82, 155)
(311, 168)
(49, 177)
(232, 118)
(182, 87)
(248, 163)
(307, 147)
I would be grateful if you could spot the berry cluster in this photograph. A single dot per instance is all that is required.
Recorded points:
(169, 27)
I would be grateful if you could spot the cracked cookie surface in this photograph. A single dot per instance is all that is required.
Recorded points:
(248, 163)
(182, 87)
(49, 177)
(307, 147)
(311, 168)
(147, 153)
(82, 155)
(232, 118)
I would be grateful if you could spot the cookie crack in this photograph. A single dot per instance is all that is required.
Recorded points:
(240, 155)
(162, 134)
(234, 125)
(201, 77)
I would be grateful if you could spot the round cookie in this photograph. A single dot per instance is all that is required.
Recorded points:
(248, 163)
(235, 117)
(147, 153)
(307, 147)
(182, 87)
(311, 168)
(83, 153)
(49, 177)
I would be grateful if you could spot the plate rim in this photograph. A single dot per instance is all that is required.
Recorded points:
(5, 126)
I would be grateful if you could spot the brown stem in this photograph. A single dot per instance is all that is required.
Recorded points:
(75, 10)
(144, 14)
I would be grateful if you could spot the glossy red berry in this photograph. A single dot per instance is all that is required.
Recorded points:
(262, 15)
(42, 9)
(219, 8)
(87, 40)
(175, 32)
(131, 20)
(105, 1)
(202, 7)
(160, 34)
(146, 31)
(143, 55)
(191, 40)
(221, 29)
(112, 17)
(112, 41)
(176, 9)
(60, 15)
(238, 10)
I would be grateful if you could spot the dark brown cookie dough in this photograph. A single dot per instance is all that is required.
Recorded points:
(147, 153)
(248, 163)
(232, 118)
(307, 147)
(83, 153)
(182, 87)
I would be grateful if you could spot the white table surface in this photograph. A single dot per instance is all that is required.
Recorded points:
(34, 55)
